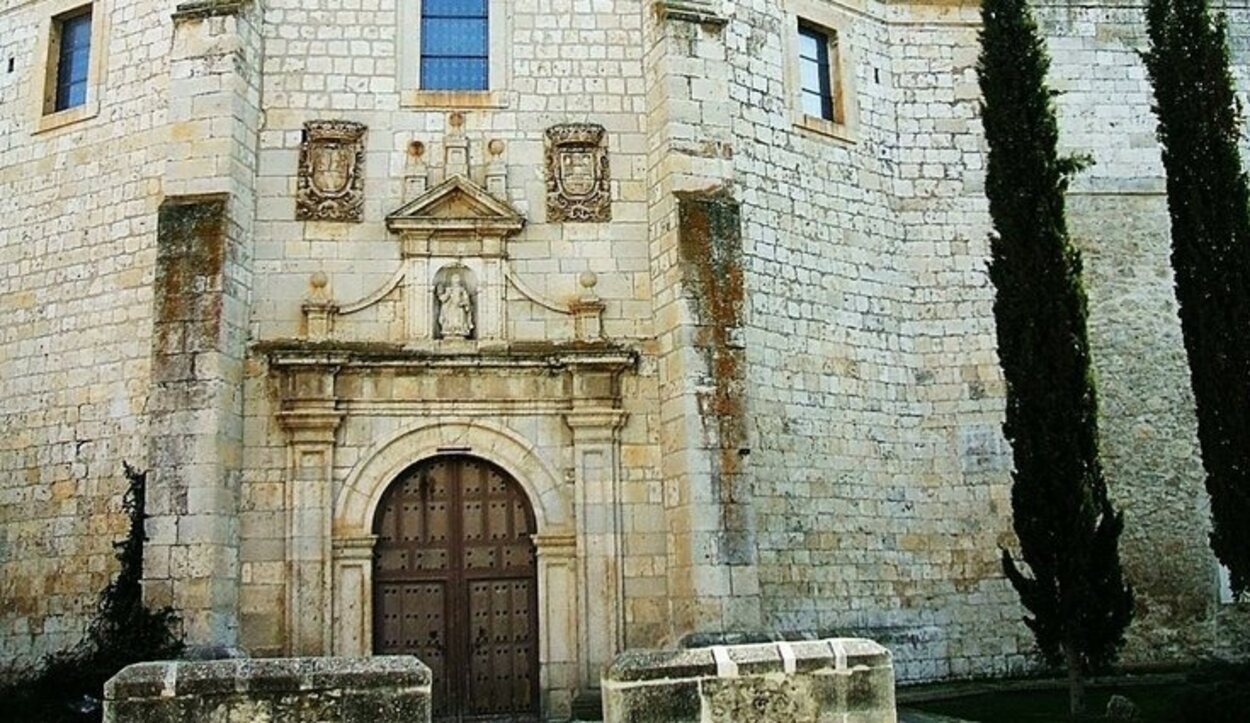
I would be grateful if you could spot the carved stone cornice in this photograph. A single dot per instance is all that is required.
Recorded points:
(324, 380)
(201, 9)
(294, 355)
(703, 12)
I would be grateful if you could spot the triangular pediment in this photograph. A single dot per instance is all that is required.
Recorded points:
(457, 203)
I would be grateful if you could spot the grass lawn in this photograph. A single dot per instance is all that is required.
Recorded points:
(1157, 704)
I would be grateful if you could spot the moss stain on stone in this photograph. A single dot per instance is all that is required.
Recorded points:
(190, 267)
(710, 250)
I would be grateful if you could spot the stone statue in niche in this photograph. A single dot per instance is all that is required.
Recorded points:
(455, 314)
(331, 185)
(578, 188)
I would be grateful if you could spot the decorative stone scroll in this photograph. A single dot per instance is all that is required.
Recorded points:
(578, 189)
(331, 172)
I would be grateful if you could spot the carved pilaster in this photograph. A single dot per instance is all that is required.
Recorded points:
(596, 456)
(352, 588)
(311, 421)
(558, 605)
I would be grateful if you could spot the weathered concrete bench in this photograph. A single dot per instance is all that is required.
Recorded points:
(846, 680)
(278, 690)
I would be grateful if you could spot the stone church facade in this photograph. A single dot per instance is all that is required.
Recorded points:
(675, 322)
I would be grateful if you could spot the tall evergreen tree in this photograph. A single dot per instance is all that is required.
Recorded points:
(1199, 126)
(1067, 528)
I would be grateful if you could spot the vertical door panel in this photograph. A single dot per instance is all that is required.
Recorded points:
(455, 585)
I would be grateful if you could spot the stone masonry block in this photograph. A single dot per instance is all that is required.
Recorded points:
(844, 680)
(292, 690)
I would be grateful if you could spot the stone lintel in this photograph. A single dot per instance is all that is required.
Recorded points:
(201, 9)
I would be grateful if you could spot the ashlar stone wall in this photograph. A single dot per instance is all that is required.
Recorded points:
(880, 479)
(789, 419)
(78, 217)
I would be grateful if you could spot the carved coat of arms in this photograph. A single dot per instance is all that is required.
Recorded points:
(331, 172)
(578, 188)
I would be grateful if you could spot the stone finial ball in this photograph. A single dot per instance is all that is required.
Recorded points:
(416, 149)
(495, 147)
(588, 279)
(319, 280)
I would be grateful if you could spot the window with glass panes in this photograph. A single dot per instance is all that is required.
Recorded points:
(73, 54)
(816, 72)
(454, 45)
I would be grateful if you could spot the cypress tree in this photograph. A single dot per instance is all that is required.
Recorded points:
(1067, 528)
(1199, 124)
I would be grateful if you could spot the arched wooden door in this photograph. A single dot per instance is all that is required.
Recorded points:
(455, 584)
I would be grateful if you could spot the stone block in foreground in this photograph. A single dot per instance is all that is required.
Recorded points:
(842, 680)
(277, 690)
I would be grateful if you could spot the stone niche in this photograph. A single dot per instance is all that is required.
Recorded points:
(842, 680)
(292, 690)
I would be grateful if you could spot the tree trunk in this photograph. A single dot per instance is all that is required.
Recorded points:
(1076, 682)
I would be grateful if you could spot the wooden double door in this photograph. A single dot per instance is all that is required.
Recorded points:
(455, 584)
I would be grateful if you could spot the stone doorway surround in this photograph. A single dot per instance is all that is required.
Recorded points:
(571, 480)
(376, 385)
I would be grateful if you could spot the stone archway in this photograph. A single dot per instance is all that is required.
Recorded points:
(361, 493)
(354, 540)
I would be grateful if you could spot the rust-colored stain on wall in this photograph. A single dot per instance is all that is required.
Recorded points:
(710, 247)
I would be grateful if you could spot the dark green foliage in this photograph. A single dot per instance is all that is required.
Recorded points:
(68, 687)
(1066, 525)
(1199, 125)
(1217, 695)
